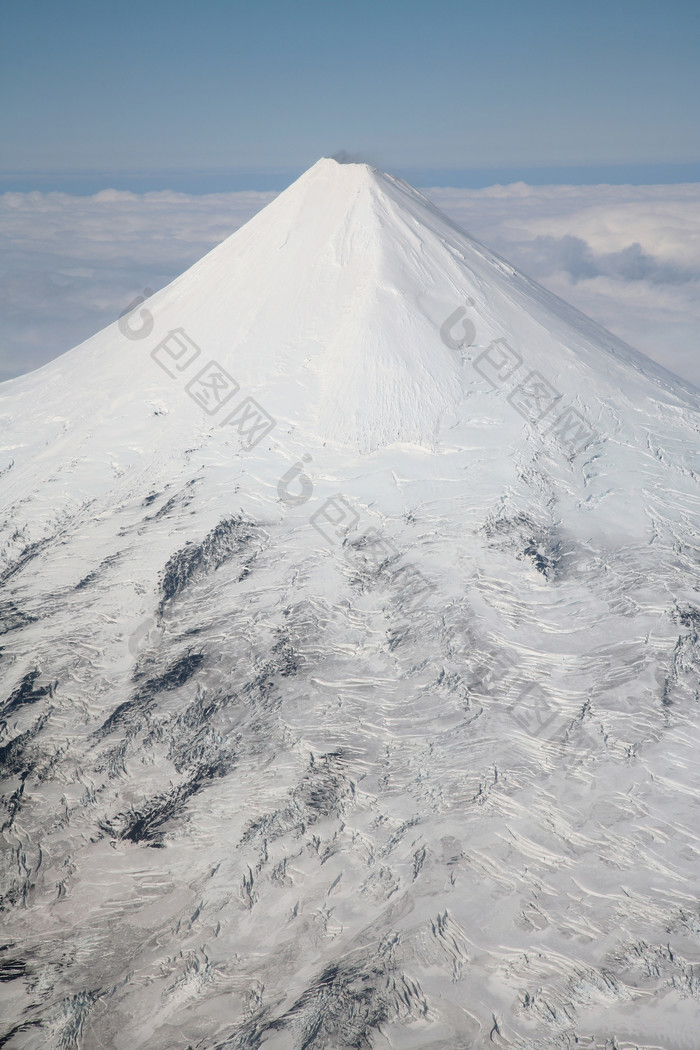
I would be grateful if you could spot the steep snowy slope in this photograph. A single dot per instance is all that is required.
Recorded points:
(349, 657)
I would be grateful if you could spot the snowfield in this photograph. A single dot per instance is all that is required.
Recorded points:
(349, 639)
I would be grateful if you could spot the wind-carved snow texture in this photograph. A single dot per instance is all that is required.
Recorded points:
(420, 776)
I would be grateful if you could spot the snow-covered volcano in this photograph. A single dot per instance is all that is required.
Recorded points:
(349, 649)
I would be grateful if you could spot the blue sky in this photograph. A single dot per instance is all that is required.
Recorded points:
(168, 90)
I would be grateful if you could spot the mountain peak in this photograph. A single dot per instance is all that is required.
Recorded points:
(332, 164)
(346, 726)
(328, 307)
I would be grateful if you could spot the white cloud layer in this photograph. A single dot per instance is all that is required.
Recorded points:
(628, 256)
